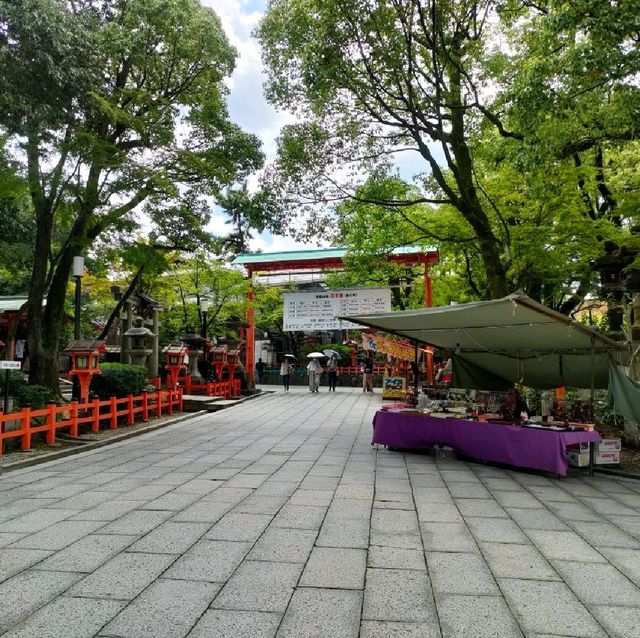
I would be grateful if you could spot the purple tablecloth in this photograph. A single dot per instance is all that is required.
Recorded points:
(522, 447)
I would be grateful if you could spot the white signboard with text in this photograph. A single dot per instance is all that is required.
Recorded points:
(308, 311)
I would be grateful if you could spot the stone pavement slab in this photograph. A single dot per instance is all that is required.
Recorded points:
(317, 613)
(259, 586)
(293, 524)
(477, 616)
(227, 623)
(337, 568)
(27, 591)
(166, 609)
(69, 617)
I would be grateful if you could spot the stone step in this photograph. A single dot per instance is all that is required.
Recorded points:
(197, 402)
(222, 404)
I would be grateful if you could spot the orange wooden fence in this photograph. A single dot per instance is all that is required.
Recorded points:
(93, 413)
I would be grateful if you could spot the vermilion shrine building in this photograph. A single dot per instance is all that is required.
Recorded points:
(310, 262)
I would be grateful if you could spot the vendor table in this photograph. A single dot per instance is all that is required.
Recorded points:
(514, 445)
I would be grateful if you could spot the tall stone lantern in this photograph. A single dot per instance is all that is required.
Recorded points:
(141, 342)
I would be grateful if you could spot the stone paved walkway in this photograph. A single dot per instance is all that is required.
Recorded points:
(277, 517)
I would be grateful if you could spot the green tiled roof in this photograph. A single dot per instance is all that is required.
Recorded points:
(320, 253)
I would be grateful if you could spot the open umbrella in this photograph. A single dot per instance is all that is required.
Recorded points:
(289, 356)
(315, 355)
(332, 353)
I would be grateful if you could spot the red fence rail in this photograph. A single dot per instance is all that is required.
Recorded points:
(226, 389)
(54, 417)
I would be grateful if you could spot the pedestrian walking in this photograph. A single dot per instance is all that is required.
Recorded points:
(314, 369)
(260, 366)
(332, 369)
(367, 374)
(285, 372)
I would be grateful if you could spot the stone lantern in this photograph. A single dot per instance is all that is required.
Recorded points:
(141, 342)
(85, 357)
(194, 342)
(219, 359)
(175, 362)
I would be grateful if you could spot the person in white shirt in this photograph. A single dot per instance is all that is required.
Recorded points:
(285, 372)
(314, 371)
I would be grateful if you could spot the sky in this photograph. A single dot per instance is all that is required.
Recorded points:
(247, 104)
(249, 108)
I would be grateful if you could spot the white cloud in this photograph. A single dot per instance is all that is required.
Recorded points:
(247, 104)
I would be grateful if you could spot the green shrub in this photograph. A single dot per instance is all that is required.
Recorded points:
(119, 379)
(17, 381)
(36, 396)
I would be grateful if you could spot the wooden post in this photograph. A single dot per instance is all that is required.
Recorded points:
(95, 422)
(114, 413)
(26, 428)
(73, 430)
(145, 407)
(159, 402)
(169, 403)
(130, 416)
(51, 423)
(179, 391)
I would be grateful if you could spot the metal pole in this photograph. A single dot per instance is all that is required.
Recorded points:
(75, 389)
(6, 393)
(76, 331)
(204, 335)
(415, 370)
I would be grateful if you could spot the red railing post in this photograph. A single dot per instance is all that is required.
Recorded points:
(26, 428)
(145, 407)
(179, 391)
(1, 432)
(159, 402)
(51, 423)
(169, 403)
(130, 416)
(95, 421)
(73, 430)
(114, 413)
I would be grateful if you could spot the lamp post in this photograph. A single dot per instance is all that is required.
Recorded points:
(204, 306)
(78, 271)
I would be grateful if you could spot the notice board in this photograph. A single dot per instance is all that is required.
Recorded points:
(308, 311)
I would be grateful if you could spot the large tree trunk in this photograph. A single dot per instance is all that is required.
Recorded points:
(469, 204)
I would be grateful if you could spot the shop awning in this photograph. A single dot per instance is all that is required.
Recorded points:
(509, 340)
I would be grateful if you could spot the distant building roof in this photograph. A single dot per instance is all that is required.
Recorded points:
(12, 303)
(85, 345)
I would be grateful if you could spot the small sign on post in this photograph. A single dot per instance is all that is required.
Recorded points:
(10, 365)
(6, 366)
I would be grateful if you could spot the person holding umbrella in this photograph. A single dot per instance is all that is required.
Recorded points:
(314, 370)
(332, 369)
(285, 371)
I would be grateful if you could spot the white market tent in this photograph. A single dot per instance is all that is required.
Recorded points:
(509, 340)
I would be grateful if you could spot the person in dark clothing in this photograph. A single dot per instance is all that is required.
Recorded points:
(332, 369)
(513, 406)
(367, 375)
(260, 369)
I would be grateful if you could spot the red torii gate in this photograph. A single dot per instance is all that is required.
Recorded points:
(320, 260)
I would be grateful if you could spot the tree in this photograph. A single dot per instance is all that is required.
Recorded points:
(117, 110)
(552, 109)
(18, 230)
(374, 78)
